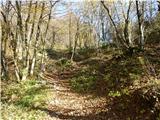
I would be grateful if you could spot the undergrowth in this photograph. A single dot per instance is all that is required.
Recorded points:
(19, 99)
(14, 112)
(83, 83)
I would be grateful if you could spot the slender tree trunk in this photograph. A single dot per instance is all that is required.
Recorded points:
(75, 45)
(44, 38)
(36, 41)
(20, 27)
(4, 71)
(26, 32)
(126, 28)
(53, 39)
(76, 40)
(15, 59)
(118, 35)
(3, 42)
(30, 38)
(70, 41)
(140, 15)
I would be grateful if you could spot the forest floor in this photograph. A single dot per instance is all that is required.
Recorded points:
(96, 86)
(64, 103)
(99, 103)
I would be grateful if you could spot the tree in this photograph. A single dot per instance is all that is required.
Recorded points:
(118, 34)
(22, 30)
(76, 39)
(140, 16)
(44, 38)
(37, 39)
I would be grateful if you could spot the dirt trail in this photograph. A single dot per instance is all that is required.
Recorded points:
(64, 104)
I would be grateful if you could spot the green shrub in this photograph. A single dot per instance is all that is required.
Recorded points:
(63, 64)
(83, 83)
(124, 91)
(114, 94)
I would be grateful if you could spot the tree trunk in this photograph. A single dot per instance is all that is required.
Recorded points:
(4, 40)
(76, 40)
(20, 27)
(126, 28)
(36, 41)
(118, 35)
(70, 41)
(140, 15)
(29, 41)
(44, 38)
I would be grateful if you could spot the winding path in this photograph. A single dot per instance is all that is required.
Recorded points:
(65, 104)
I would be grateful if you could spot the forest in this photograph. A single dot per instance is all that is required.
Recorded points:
(80, 59)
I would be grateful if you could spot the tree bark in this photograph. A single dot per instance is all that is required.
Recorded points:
(30, 37)
(4, 40)
(20, 27)
(76, 40)
(37, 39)
(26, 32)
(126, 28)
(140, 15)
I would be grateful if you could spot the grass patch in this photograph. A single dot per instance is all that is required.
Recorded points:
(14, 112)
(19, 99)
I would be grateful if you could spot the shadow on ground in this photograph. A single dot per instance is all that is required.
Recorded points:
(80, 55)
(118, 108)
(114, 74)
